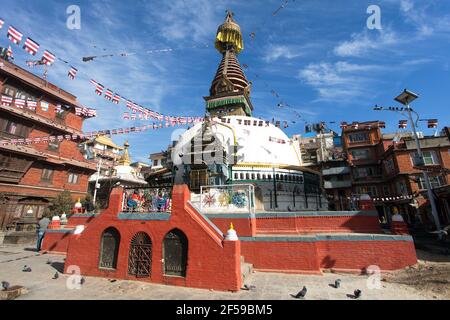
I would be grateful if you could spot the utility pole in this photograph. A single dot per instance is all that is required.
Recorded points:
(425, 174)
(96, 181)
(405, 98)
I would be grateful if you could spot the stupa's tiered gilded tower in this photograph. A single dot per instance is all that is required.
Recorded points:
(230, 90)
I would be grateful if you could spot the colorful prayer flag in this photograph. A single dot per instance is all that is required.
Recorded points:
(19, 103)
(403, 124)
(116, 99)
(14, 35)
(31, 46)
(99, 89)
(9, 53)
(432, 123)
(31, 104)
(108, 94)
(72, 73)
(48, 58)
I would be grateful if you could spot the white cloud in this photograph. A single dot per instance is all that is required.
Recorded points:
(276, 52)
(338, 81)
(179, 20)
(366, 42)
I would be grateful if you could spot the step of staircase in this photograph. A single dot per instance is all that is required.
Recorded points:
(246, 270)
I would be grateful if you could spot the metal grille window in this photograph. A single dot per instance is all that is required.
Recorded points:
(140, 256)
(175, 253)
(109, 248)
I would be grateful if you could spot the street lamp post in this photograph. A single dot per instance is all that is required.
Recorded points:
(405, 98)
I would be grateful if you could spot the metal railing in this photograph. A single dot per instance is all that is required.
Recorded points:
(235, 198)
(145, 200)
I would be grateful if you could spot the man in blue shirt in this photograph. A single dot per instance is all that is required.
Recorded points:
(43, 225)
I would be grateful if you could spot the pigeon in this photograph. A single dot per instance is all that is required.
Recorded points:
(56, 276)
(301, 294)
(337, 283)
(26, 268)
(247, 287)
(357, 293)
(5, 285)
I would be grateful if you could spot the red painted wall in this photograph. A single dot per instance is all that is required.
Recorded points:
(299, 225)
(358, 255)
(212, 262)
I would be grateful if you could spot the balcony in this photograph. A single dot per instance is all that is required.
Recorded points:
(337, 184)
(336, 171)
(32, 116)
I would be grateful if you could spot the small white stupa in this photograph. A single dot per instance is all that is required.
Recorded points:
(231, 234)
(64, 219)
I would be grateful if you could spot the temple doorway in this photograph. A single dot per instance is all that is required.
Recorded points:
(140, 258)
(175, 253)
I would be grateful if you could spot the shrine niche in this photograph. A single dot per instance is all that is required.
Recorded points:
(175, 253)
(109, 249)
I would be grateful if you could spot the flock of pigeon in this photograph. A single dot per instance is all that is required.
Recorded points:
(300, 295)
(337, 284)
(6, 285)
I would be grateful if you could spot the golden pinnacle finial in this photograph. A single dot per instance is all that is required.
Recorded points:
(125, 158)
(229, 36)
(231, 226)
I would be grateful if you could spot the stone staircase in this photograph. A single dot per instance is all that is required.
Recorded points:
(246, 270)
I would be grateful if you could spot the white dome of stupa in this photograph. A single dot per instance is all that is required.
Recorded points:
(260, 142)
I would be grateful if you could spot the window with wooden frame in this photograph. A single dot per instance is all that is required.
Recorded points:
(73, 178)
(13, 129)
(47, 175)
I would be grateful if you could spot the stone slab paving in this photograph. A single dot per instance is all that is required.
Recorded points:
(269, 286)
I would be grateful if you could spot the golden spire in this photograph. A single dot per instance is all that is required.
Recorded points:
(125, 158)
(229, 35)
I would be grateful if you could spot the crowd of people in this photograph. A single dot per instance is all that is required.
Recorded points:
(147, 201)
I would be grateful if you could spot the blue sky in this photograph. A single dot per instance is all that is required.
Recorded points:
(319, 56)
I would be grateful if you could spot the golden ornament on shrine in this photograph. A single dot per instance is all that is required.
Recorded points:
(229, 35)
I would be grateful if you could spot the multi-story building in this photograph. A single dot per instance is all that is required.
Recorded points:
(387, 168)
(404, 186)
(158, 160)
(337, 183)
(316, 147)
(33, 174)
(102, 147)
(363, 145)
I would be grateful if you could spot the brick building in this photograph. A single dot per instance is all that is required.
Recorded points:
(32, 174)
(386, 167)
(404, 183)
